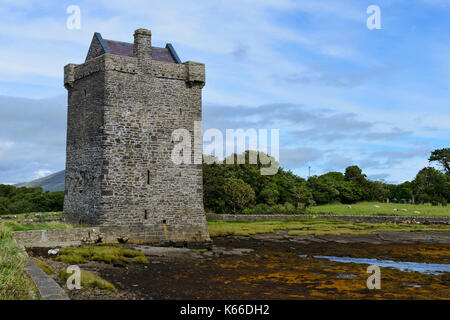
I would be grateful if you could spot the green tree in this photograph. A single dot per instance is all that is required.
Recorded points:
(403, 191)
(379, 190)
(441, 156)
(431, 185)
(269, 195)
(354, 173)
(238, 194)
(323, 190)
(303, 195)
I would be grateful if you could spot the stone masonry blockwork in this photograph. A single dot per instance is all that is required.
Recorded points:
(122, 111)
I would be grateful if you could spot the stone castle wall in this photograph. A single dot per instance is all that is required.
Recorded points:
(122, 112)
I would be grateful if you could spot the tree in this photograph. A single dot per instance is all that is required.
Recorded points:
(354, 173)
(303, 195)
(403, 191)
(269, 195)
(323, 190)
(442, 156)
(238, 194)
(431, 185)
(349, 192)
(379, 191)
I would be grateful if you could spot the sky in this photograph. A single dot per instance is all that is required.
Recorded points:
(340, 93)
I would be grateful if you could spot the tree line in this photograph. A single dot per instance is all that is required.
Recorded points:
(23, 200)
(240, 188)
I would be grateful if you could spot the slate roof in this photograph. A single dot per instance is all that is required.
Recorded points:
(120, 48)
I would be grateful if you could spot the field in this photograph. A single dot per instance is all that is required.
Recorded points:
(314, 227)
(368, 208)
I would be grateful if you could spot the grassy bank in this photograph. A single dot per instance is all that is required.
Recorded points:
(101, 253)
(15, 226)
(377, 208)
(90, 280)
(14, 281)
(312, 227)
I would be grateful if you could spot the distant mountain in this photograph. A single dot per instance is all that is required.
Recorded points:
(53, 182)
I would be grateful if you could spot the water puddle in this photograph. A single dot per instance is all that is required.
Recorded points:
(428, 268)
(347, 276)
(415, 285)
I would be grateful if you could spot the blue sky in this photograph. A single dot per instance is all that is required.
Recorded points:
(340, 94)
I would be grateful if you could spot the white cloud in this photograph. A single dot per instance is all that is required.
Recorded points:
(42, 173)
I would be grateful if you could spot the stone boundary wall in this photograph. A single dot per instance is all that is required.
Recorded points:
(108, 234)
(355, 218)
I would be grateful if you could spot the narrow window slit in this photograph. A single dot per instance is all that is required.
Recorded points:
(145, 214)
(148, 176)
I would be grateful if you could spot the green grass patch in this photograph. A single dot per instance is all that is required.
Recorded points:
(89, 280)
(14, 282)
(15, 226)
(44, 266)
(369, 208)
(101, 253)
(315, 227)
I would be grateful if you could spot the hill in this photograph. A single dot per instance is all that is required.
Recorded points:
(53, 182)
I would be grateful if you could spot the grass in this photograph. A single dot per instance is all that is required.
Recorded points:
(368, 208)
(14, 281)
(89, 280)
(15, 226)
(312, 227)
(100, 253)
(35, 216)
(44, 266)
(29, 221)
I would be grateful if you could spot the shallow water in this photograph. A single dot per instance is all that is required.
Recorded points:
(428, 268)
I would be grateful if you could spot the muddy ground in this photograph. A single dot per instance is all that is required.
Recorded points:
(268, 266)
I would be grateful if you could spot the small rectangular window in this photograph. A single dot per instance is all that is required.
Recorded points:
(148, 176)
(145, 214)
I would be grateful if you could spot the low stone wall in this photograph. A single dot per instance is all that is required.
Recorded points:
(110, 234)
(355, 218)
(145, 234)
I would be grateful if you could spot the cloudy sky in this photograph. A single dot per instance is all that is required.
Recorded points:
(340, 94)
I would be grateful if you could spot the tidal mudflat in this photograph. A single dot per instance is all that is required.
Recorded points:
(280, 266)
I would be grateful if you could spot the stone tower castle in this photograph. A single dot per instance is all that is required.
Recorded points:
(124, 102)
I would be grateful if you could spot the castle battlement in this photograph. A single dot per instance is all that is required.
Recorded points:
(189, 71)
